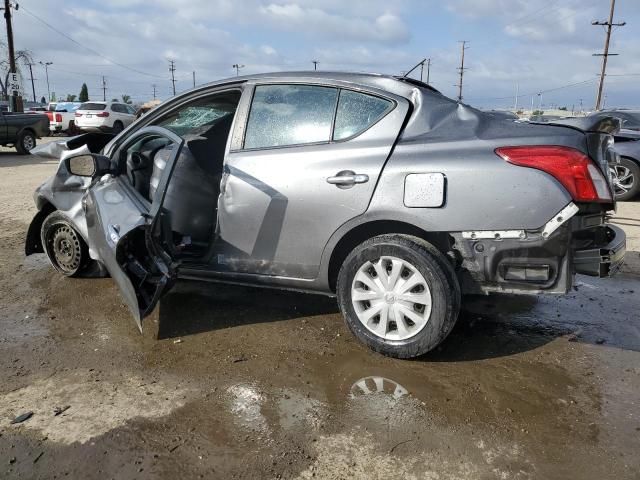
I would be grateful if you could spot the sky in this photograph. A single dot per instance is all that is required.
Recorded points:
(524, 46)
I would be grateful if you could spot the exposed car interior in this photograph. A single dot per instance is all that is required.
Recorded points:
(192, 193)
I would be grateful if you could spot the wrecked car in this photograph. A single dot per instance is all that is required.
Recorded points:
(376, 189)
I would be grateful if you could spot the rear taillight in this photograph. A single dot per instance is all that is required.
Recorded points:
(102, 114)
(58, 117)
(572, 168)
(78, 114)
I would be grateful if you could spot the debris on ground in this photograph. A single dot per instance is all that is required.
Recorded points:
(58, 410)
(22, 418)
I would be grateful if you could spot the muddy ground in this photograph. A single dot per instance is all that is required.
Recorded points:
(231, 382)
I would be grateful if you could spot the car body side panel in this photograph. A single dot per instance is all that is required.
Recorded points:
(629, 149)
(277, 211)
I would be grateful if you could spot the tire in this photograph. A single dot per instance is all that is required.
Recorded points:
(435, 282)
(117, 127)
(626, 176)
(72, 130)
(66, 249)
(26, 142)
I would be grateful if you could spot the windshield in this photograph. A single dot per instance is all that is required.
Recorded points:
(67, 107)
(93, 106)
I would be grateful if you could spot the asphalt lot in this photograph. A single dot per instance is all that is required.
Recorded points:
(232, 382)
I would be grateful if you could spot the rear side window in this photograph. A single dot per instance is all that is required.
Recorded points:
(116, 107)
(290, 115)
(357, 112)
(93, 106)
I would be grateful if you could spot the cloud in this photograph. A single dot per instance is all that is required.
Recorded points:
(386, 28)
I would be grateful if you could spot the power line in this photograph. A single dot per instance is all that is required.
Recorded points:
(605, 55)
(95, 52)
(561, 87)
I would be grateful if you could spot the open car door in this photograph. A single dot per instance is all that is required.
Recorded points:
(128, 231)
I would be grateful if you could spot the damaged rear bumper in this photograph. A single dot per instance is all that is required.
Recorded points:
(540, 261)
(603, 260)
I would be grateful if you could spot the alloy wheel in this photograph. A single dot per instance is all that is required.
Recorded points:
(391, 298)
(623, 179)
(28, 142)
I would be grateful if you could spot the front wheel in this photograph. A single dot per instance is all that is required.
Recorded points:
(399, 295)
(66, 249)
(26, 142)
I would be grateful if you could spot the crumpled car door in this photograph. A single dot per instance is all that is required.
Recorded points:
(127, 233)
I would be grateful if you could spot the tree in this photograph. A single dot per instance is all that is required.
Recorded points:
(71, 98)
(115, 100)
(53, 97)
(126, 99)
(84, 93)
(538, 112)
(25, 55)
(562, 108)
(43, 100)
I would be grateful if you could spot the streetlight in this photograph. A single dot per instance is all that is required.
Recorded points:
(237, 66)
(46, 69)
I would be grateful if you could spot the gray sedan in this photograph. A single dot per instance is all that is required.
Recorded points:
(379, 190)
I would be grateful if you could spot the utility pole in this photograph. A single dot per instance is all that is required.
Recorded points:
(581, 109)
(515, 104)
(609, 24)
(461, 68)
(33, 86)
(428, 70)
(104, 89)
(540, 101)
(172, 69)
(154, 91)
(46, 71)
(315, 64)
(194, 79)
(12, 56)
(237, 66)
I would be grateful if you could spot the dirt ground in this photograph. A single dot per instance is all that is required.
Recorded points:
(232, 383)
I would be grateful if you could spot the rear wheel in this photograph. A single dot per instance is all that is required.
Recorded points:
(26, 142)
(67, 251)
(399, 295)
(626, 179)
(118, 126)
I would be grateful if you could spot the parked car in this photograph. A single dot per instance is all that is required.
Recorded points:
(630, 118)
(379, 190)
(104, 116)
(626, 172)
(62, 117)
(22, 129)
(504, 114)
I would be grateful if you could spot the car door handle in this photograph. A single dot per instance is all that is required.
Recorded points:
(347, 178)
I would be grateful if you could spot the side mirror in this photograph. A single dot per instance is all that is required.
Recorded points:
(88, 165)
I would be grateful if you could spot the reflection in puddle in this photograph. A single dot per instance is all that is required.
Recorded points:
(246, 404)
(298, 411)
(377, 385)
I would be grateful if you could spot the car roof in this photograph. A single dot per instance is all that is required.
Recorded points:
(393, 84)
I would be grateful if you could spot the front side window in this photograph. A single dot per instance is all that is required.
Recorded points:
(357, 112)
(284, 115)
(202, 115)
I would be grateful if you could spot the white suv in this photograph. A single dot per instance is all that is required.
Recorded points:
(104, 116)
